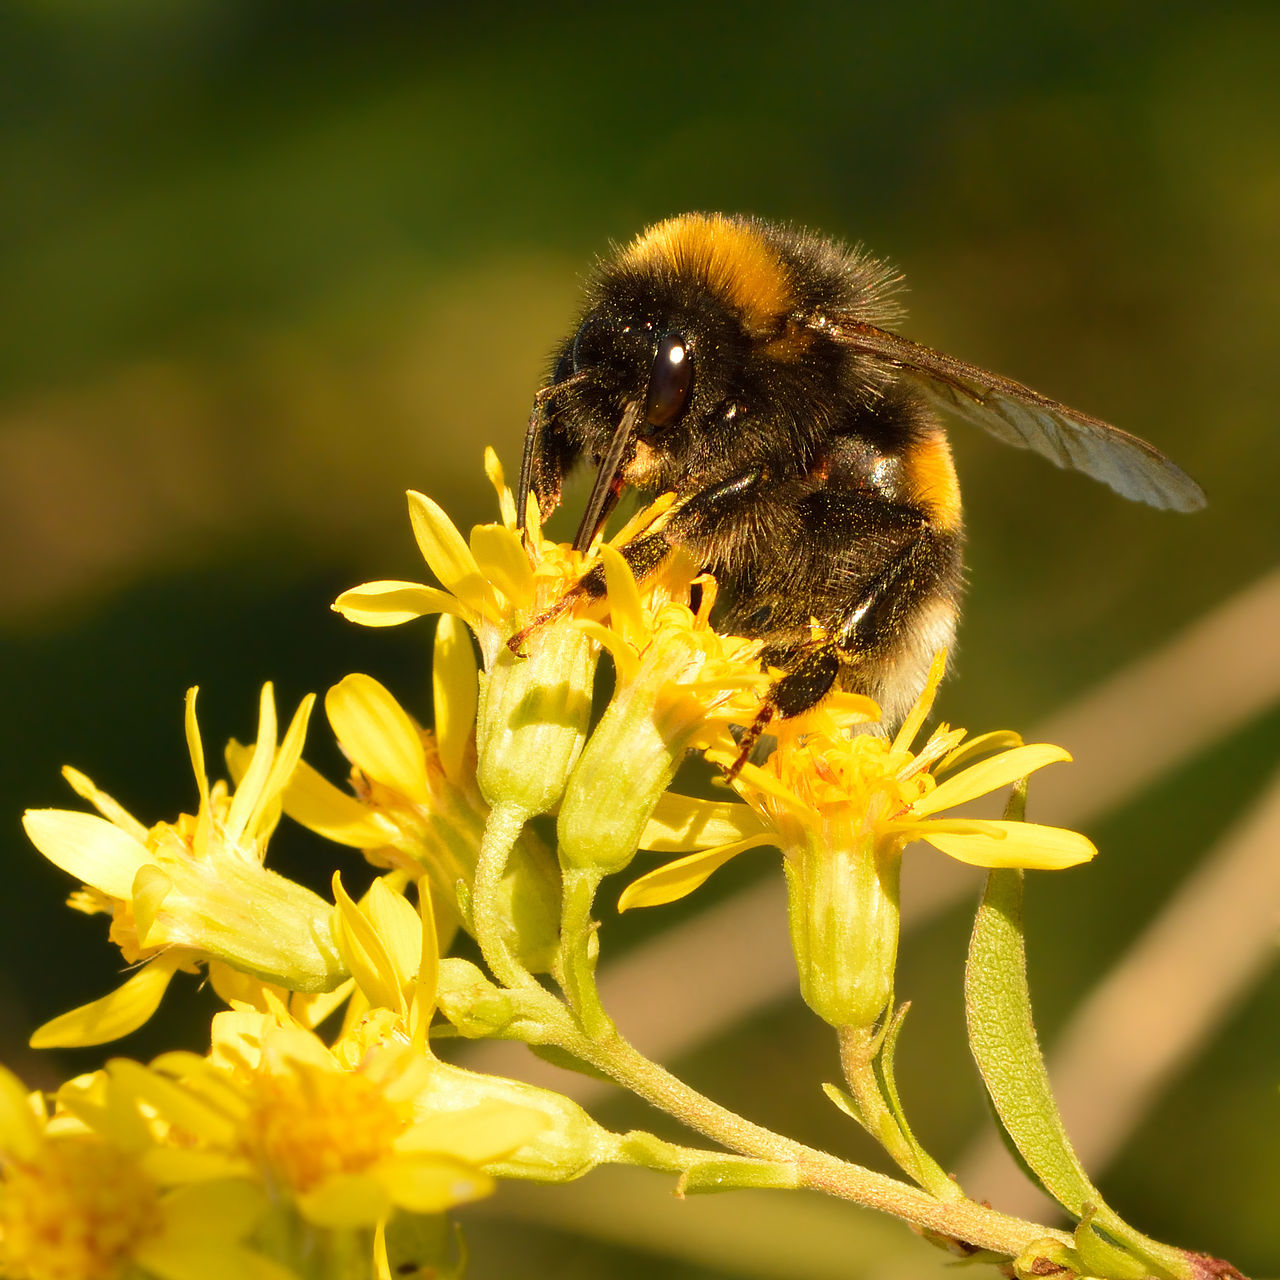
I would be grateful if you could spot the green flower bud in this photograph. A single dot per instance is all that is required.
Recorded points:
(628, 763)
(533, 718)
(842, 907)
(572, 1143)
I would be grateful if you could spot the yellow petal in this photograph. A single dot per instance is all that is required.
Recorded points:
(286, 760)
(87, 847)
(625, 661)
(114, 812)
(681, 823)
(397, 924)
(430, 1184)
(454, 693)
(223, 1210)
(377, 735)
(924, 703)
(234, 988)
(114, 1015)
(506, 502)
(19, 1128)
(983, 744)
(366, 953)
(171, 1258)
(320, 806)
(346, 1200)
(501, 555)
(424, 992)
(1019, 844)
(381, 1262)
(625, 608)
(150, 888)
(445, 550)
(245, 802)
(312, 1009)
(293, 1045)
(680, 878)
(195, 748)
(996, 771)
(179, 1105)
(173, 1166)
(388, 604)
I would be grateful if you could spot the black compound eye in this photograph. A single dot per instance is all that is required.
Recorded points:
(670, 382)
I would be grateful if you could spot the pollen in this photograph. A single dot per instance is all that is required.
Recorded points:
(309, 1126)
(77, 1211)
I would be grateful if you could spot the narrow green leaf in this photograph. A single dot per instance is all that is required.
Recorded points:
(928, 1172)
(1002, 1038)
(846, 1102)
(567, 1061)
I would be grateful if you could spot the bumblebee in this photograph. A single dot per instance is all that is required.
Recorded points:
(747, 367)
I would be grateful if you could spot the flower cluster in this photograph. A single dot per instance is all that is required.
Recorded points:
(280, 1145)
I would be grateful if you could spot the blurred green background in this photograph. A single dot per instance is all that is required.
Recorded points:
(264, 265)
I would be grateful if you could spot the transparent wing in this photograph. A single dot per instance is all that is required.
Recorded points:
(1022, 417)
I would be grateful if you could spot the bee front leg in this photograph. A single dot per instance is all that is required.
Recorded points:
(692, 524)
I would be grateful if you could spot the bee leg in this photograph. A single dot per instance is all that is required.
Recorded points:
(694, 519)
(643, 555)
(812, 673)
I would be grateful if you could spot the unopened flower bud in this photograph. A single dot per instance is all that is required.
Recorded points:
(842, 895)
(533, 718)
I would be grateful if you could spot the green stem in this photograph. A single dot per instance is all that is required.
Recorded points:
(962, 1220)
(577, 958)
(501, 831)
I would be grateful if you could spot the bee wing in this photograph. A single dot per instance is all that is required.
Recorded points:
(1022, 417)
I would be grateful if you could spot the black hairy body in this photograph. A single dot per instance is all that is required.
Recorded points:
(746, 367)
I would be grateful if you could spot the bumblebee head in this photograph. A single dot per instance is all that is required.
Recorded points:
(692, 359)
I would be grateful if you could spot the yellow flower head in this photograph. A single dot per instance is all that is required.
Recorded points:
(822, 786)
(81, 1203)
(842, 807)
(534, 706)
(350, 1132)
(195, 890)
(416, 806)
(495, 581)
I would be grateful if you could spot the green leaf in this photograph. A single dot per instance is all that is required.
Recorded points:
(1002, 1038)
(567, 1061)
(929, 1173)
(846, 1102)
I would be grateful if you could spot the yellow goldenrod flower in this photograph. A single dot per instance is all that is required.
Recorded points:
(351, 1132)
(416, 806)
(842, 807)
(181, 894)
(533, 708)
(84, 1204)
(680, 684)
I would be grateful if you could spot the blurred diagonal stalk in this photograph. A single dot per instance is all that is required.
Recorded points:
(1139, 724)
